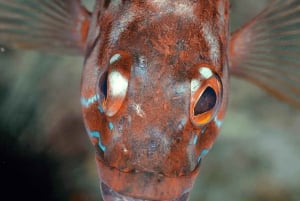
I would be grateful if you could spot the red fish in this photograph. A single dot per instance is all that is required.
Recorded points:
(156, 77)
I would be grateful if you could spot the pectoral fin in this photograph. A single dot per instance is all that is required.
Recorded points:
(49, 25)
(266, 51)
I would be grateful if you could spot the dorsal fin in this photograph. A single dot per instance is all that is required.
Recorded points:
(47, 25)
(266, 51)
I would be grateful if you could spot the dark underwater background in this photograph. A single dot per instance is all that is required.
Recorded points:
(45, 154)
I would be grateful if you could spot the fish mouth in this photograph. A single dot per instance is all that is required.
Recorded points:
(108, 194)
(143, 186)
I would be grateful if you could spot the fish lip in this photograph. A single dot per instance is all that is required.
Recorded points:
(108, 194)
(143, 186)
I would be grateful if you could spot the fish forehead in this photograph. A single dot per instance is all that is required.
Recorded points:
(184, 31)
(152, 92)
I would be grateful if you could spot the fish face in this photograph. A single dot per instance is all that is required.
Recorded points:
(156, 99)
(154, 113)
(157, 124)
(155, 81)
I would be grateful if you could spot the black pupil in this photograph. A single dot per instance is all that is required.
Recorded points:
(206, 102)
(103, 85)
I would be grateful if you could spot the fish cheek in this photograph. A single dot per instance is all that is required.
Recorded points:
(118, 152)
(206, 139)
(206, 107)
(104, 98)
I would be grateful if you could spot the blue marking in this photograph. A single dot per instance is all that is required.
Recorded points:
(203, 153)
(111, 126)
(203, 130)
(96, 134)
(218, 122)
(102, 147)
(100, 109)
(87, 102)
(195, 139)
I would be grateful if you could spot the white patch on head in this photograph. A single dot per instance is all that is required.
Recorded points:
(184, 9)
(205, 72)
(158, 3)
(121, 25)
(195, 84)
(117, 84)
(138, 110)
(212, 41)
(114, 58)
(180, 9)
(221, 10)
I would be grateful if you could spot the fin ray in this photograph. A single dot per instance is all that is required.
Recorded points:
(33, 9)
(266, 50)
(17, 13)
(46, 25)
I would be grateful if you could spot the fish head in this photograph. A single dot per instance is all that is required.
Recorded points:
(158, 95)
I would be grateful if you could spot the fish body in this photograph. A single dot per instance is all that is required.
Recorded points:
(155, 81)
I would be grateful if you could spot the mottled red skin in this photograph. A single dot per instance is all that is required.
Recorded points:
(160, 161)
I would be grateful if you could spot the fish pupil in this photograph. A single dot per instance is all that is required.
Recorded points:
(206, 102)
(103, 85)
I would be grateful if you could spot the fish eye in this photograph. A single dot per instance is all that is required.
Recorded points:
(206, 96)
(113, 84)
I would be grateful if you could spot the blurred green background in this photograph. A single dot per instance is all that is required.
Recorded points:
(45, 153)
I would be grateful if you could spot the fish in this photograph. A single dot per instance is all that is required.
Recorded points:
(156, 75)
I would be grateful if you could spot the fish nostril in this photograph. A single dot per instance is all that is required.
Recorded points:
(178, 140)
